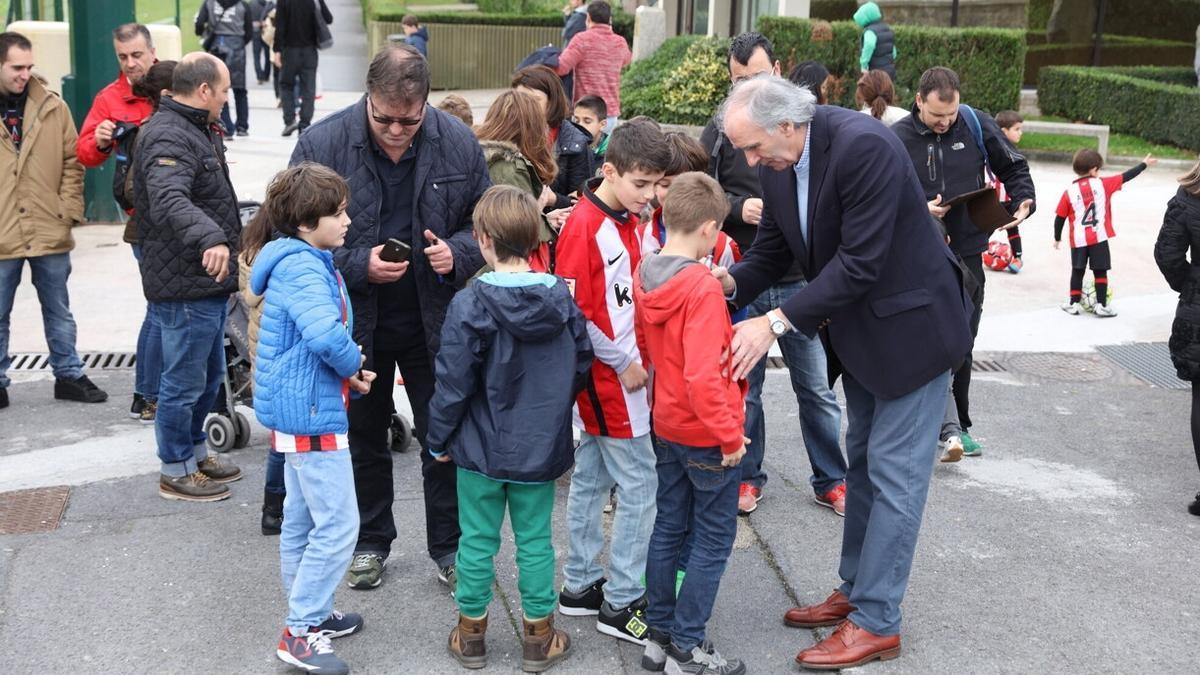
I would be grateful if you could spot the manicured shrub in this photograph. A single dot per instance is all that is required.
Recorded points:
(681, 83)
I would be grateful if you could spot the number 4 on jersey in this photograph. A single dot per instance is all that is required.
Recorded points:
(1089, 217)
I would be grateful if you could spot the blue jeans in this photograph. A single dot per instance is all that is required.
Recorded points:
(49, 274)
(692, 486)
(148, 366)
(320, 526)
(193, 335)
(892, 445)
(601, 461)
(820, 416)
(275, 483)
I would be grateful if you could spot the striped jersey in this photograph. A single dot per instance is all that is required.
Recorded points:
(596, 254)
(1087, 206)
(654, 234)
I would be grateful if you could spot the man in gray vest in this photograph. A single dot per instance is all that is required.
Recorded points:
(227, 28)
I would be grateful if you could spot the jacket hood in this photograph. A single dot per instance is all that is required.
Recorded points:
(868, 14)
(1189, 201)
(273, 253)
(526, 304)
(500, 150)
(571, 134)
(666, 282)
(422, 33)
(227, 3)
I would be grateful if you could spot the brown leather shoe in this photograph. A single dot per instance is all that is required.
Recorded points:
(545, 645)
(849, 646)
(833, 611)
(467, 643)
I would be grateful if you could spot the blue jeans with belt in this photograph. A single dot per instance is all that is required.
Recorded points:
(50, 273)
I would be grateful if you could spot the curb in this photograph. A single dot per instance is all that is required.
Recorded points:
(1119, 160)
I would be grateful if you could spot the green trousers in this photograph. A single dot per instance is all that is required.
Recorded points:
(481, 506)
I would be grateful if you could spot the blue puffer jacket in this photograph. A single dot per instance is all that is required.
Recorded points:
(305, 348)
(515, 351)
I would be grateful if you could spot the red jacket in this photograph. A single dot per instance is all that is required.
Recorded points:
(597, 56)
(684, 331)
(115, 102)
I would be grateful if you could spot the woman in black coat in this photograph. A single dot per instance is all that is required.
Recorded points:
(571, 142)
(1180, 233)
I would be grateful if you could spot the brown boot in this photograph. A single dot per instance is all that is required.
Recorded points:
(544, 645)
(467, 642)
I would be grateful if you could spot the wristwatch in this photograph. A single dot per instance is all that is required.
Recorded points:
(779, 327)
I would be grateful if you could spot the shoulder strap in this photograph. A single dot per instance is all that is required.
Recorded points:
(972, 120)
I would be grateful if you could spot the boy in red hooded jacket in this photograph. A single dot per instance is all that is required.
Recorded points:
(698, 415)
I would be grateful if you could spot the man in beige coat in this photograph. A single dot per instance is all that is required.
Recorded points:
(41, 198)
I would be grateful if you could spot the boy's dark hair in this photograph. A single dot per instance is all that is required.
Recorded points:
(686, 154)
(742, 47)
(599, 11)
(1085, 160)
(302, 195)
(545, 80)
(694, 199)
(410, 20)
(810, 75)
(638, 144)
(9, 40)
(595, 104)
(1008, 118)
(942, 80)
(459, 107)
(510, 217)
(157, 78)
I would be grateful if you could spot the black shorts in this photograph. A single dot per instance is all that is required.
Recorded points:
(1097, 253)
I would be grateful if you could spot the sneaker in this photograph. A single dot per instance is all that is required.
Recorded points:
(1104, 311)
(971, 447)
(311, 653)
(702, 660)
(1015, 266)
(194, 487)
(3, 397)
(1194, 507)
(79, 389)
(654, 657)
(340, 625)
(834, 499)
(149, 412)
(447, 577)
(1071, 308)
(366, 571)
(218, 472)
(241, 132)
(139, 404)
(584, 603)
(291, 128)
(748, 499)
(952, 449)
(626, 623)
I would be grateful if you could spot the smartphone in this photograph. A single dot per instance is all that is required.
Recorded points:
(395, 251)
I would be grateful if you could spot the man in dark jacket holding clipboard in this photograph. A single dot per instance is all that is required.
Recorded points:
(946, 142)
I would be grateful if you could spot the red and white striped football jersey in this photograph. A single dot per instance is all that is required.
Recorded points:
(1087, 206)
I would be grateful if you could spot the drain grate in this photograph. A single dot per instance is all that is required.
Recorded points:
(1149, 361)
(987, 366)
(1060, 367)
(30, 511)
(91, 360)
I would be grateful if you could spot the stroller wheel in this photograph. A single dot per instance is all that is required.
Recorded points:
(241, 436)
(221, 433)
(400, 433)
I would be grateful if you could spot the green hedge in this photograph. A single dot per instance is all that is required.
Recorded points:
(683, 82)
(989, 61)
(1167, 19)
(622, 21)
(1149, 109)
(1117, 50)
(517, 6)
(1181, 75)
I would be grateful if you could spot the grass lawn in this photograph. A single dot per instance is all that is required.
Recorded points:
(163, 11)
(1118, 144)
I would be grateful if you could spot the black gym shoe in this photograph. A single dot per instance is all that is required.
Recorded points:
(1193, 508)
(626, 623)
(654, 658)
(135, 410)
(291, 128)
(584, 603)
(340, 625)
(79, 389)
(3, 397)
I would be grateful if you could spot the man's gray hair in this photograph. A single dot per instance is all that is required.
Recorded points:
(129, 31)
(770, 100)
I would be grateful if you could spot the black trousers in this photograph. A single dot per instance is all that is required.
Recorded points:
(962, 377)
(370, 417)
(299, 62)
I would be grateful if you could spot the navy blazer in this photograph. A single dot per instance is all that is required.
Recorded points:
(881, 281)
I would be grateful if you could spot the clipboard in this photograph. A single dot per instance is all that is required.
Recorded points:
(983, 208)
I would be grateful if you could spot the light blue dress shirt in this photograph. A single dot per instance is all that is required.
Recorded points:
(801, 169)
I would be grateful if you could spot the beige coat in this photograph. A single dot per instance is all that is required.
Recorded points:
(41, 194)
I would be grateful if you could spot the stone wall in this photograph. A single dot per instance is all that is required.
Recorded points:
(998, 13)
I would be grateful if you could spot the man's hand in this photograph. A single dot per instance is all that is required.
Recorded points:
(936, 208)
(752, 210)
(277, 59)
(1057, 245)
(751, 340)
(380, 271)
(634, 377)
(1150, 160)
(104, 133)
(443, 458)
(1021, 214)
(216, 262)
(721, 274)
(438, 254)
(735, 458)
(361, 381)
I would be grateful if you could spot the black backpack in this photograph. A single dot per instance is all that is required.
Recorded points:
(124, 142)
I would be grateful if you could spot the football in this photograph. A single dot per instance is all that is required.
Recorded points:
(998, 255)
(1087, 301)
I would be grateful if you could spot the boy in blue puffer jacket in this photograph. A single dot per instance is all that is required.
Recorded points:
(307, 367)
(515, 353)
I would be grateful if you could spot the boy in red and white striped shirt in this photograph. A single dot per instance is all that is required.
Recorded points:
(1087, 205)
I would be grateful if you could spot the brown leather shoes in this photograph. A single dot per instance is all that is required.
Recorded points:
(849, 646)
(833, 611)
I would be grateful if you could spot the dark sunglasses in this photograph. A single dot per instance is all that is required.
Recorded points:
(389, 121)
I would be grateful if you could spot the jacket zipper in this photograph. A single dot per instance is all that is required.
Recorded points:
(941, 160)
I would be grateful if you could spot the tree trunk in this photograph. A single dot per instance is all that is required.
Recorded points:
(1071, 21)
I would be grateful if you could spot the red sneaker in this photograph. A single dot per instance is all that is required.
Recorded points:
(748, 498)
(834, 499)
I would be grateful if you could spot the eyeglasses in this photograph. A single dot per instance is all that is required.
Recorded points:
(389, 121)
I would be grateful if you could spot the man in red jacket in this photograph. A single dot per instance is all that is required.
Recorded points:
(597, 56)
(116, 104)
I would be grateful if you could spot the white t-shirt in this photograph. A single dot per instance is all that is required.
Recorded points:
(891, 114)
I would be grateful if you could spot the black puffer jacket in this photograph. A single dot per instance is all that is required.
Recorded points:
(185, 204)
(1180, 234)
(451, 175)
(574, 165)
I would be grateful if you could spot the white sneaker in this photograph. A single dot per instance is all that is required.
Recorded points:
(1104, 311)
(952, 449)
(1071, 308)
